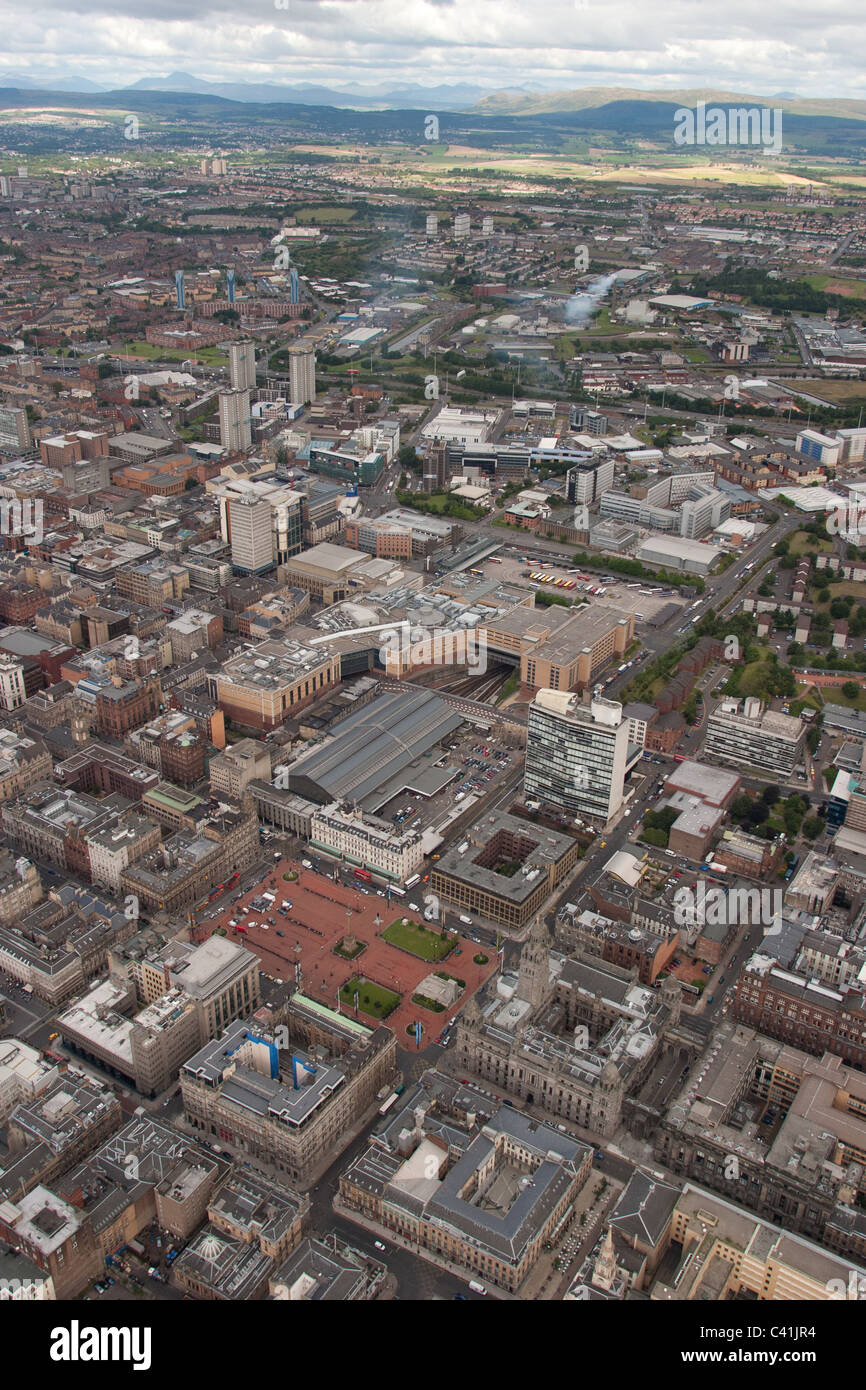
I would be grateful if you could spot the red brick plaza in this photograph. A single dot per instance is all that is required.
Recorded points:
(322, 914)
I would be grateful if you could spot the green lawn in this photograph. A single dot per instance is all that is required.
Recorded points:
(374, 1000)
(848, 588)
(801, 541)
(213, 356)
(842, 284)
(324, 214)
(419, 941)
(833, 693)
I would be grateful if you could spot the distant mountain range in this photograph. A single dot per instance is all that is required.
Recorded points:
(519, 102)
(549, 121)
(447, 96)
(48, 83)
(457, 96)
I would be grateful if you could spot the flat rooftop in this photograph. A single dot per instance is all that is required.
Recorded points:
(711, 784)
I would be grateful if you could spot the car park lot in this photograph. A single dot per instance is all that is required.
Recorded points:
(621, 592)
(468, 766)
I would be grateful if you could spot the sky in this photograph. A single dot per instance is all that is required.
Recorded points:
(796, 47)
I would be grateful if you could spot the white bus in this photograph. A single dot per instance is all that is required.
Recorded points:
(410, 882)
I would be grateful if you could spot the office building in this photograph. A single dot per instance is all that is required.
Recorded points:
(55, 1127)
(178, 285)
(402, 534)
(727, 1254)
(293, 1105)
(327, 1270)
(20, 887)
(204, 989)
(123, 705)
(79, 927)
(49, 824)
(768, 742)
(822, 447)
(559, 648)
(704, 510)
(263, 522)
(504, 869)
(801, 1010)
(435, 467)
(270, 682)
(57, 1237)
(112, 848)
(577, 755)
(12, 691)
(24, 1074)
(354, 462)
(249, 524)
(178, 873)
(252, 1225)
(804, 1167)
(234, 420)
(853, 445)
(586, 481)
(232, 770)
(587, 421)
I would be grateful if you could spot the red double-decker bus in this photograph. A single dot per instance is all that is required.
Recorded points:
(363, 874)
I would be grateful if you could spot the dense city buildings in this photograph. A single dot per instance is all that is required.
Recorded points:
(432, 679)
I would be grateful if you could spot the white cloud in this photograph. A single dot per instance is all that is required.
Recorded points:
(782, 45)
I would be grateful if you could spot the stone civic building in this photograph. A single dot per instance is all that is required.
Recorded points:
(485, 1191)
(572, 1036)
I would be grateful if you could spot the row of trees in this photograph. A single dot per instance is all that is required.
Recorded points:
(767, 816)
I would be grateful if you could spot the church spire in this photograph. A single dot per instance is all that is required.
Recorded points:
(604, 1273)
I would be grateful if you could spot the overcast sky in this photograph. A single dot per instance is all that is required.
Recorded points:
(807, 47)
